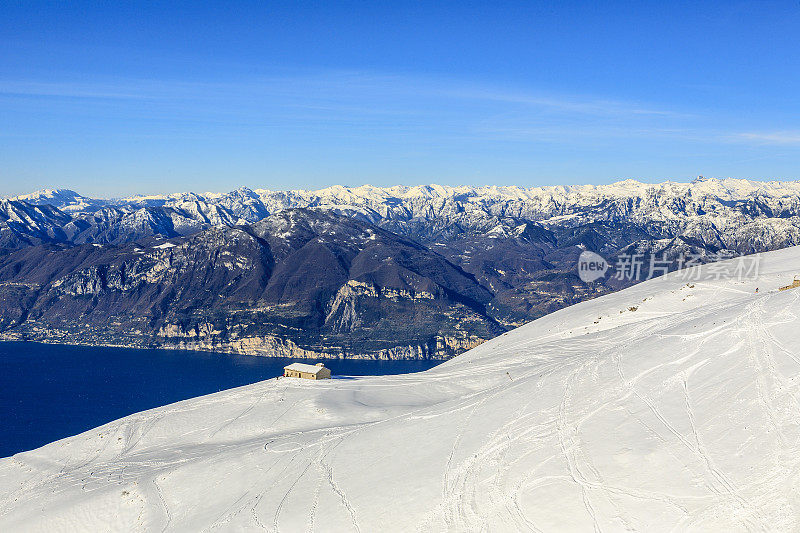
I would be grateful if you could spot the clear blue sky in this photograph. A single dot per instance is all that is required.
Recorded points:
(113, 98)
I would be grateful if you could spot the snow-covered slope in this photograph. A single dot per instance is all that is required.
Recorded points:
(672, 405)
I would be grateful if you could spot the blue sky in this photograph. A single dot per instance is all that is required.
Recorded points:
(115, 98)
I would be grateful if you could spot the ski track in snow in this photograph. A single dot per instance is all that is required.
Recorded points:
(681, 415)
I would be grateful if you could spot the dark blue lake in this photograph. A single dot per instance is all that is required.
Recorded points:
(48, 392)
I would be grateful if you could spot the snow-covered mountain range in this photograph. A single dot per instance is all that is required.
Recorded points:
(179, 270)
(670, 405)
(709, 209)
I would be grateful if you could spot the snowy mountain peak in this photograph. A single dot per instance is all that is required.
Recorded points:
(64, 199)
(49, 194)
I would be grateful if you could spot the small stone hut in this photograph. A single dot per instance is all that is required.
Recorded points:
(301, 370)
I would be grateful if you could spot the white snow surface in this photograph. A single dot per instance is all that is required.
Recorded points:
(672, 405)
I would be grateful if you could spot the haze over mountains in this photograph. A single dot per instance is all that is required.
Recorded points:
(413, 272)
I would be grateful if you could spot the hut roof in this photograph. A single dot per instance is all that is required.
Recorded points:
(302, 367)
